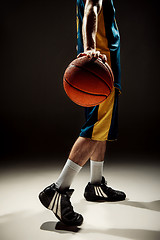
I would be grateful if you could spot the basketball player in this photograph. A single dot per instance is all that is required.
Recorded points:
(98, 36)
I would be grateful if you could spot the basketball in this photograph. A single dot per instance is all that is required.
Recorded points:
(88, 81)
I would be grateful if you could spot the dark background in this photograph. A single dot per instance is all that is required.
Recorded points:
(38, 41)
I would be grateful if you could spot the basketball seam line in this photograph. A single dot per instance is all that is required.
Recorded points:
(92, 74)
(86, 105)
(110, 70)
(94, 94)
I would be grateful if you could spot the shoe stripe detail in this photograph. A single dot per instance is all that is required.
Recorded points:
(59, 207)
(99, 192)
(52, 201)
(55, 203)
(95, 189)
(103, 194)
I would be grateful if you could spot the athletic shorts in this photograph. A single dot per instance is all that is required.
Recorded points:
(102, 120)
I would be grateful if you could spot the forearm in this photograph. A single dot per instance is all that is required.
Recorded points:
(89, 29)
(90, 22)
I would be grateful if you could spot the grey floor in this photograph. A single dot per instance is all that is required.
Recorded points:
(22, 217)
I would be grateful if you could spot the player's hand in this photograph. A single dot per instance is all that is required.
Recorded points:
(93, 53)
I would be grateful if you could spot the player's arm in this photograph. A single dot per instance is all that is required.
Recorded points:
(89, 28)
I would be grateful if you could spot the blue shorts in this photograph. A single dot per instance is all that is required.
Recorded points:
(102, 120)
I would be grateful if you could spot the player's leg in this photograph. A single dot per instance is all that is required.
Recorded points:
(81, 151)
(97, 188)
(100, 131)
(97, 162)
(56, 197)
(99, 152)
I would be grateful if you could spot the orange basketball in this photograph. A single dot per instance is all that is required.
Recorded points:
(88, 81)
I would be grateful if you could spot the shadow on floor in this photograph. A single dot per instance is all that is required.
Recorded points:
(137, 234)
(58, 227)
(154, 205)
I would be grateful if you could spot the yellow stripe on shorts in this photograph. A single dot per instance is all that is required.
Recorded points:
(101, 39)
(102, 126)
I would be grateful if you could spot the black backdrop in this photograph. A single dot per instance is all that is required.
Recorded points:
(38, 40)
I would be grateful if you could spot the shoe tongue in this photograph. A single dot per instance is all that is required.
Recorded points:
(70, 192)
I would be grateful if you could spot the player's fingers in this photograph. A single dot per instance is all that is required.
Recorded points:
(84, 54)
(89, 54)
(103, 57)
(97, 54)
(80, 55)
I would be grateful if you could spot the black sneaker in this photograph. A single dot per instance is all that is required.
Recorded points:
(59, 202)
(101, 192)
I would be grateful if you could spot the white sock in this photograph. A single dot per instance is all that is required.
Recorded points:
(69, 171)
(96, 171)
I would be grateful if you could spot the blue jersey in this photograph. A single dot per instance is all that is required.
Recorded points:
(107, 37)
